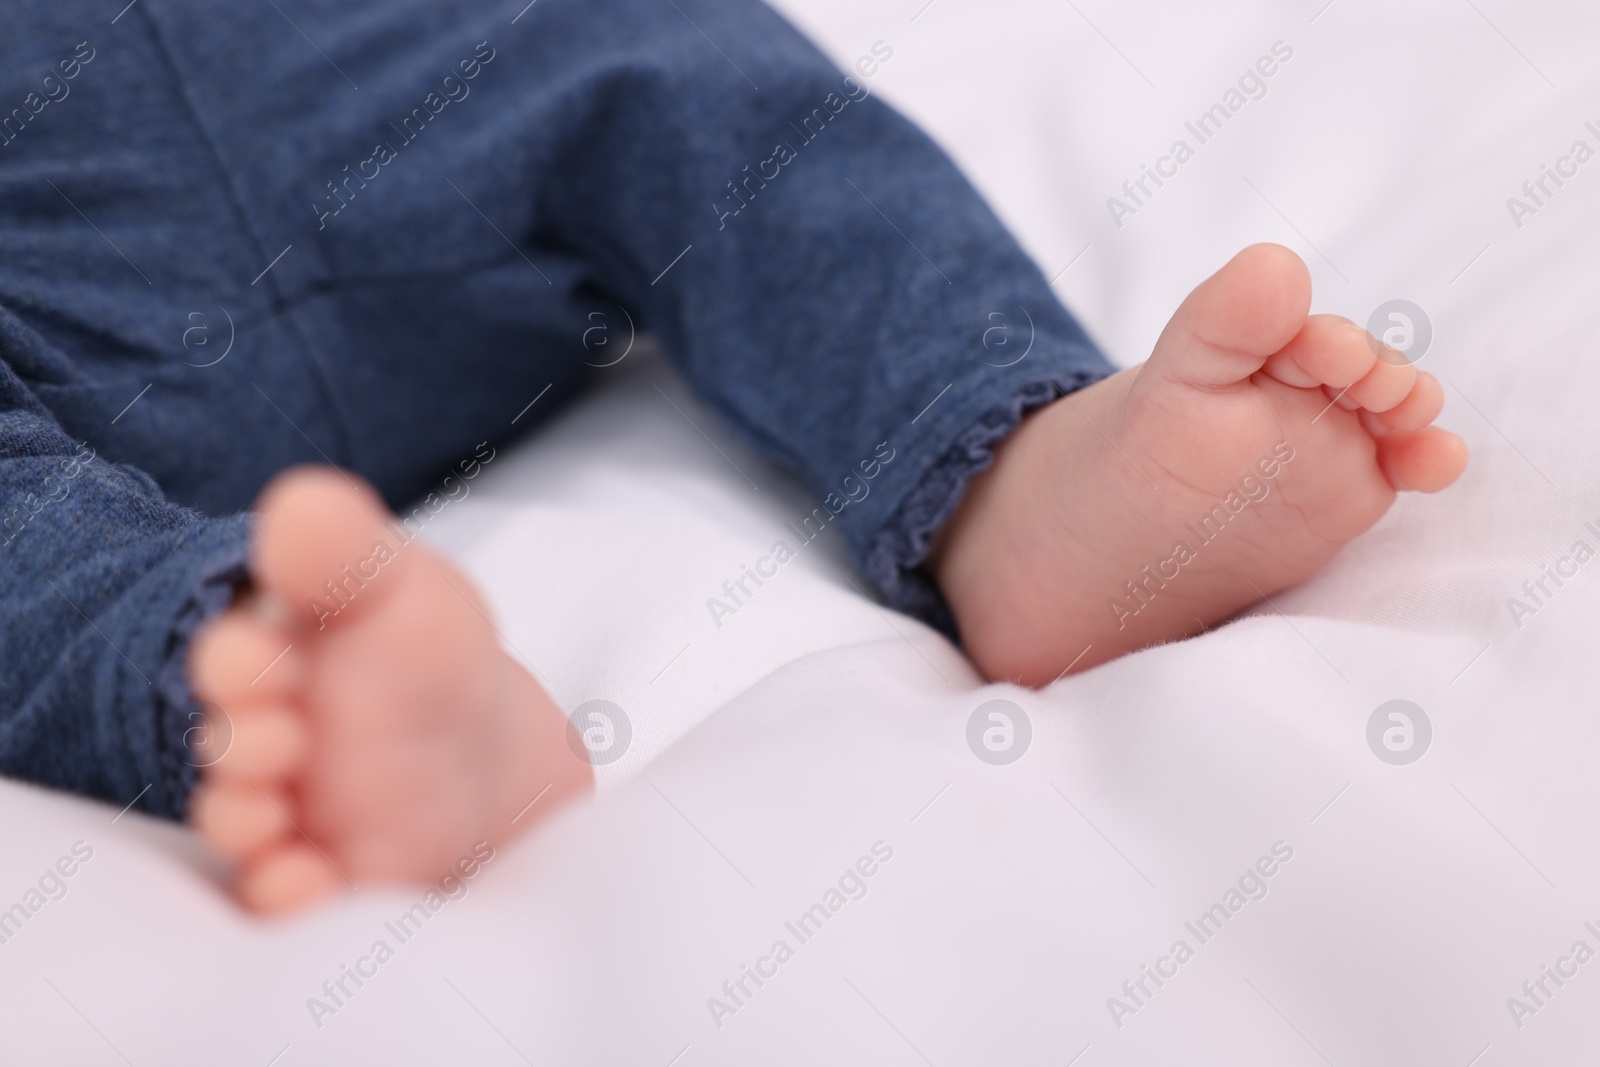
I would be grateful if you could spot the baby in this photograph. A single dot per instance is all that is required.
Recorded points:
(318, 256)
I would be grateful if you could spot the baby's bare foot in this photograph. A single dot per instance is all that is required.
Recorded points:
(378, 729)
(1235, 462)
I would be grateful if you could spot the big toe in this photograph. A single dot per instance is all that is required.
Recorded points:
(1234, 320)
(323, 544)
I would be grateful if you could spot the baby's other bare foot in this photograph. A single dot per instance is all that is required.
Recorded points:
(378, 734)
(1236, 461)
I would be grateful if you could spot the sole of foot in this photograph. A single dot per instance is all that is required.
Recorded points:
(377, 730)
(1253, 444)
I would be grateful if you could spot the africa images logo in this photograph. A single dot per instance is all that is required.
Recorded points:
(1399, 732)
(999, 732)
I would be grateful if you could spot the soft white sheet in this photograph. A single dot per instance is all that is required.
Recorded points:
(772, 753)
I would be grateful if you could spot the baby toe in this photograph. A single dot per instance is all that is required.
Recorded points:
(268, 741)
(1418, 408)
(322, 541)
(239, 655)
(1329, 350)
(1384, 386)
(1234, 320)
(286, 878)
(1425, 460)
(238, 821)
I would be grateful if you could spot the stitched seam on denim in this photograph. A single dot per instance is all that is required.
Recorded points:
(341, 422)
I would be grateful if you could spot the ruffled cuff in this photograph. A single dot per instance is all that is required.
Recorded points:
(894, 557)
(205, 591)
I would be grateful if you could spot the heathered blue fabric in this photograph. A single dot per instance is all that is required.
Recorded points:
(154, 165)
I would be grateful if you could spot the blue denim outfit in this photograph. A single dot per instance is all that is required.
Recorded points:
(400, 220)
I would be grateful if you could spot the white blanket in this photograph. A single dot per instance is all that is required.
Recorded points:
(1200, 856)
